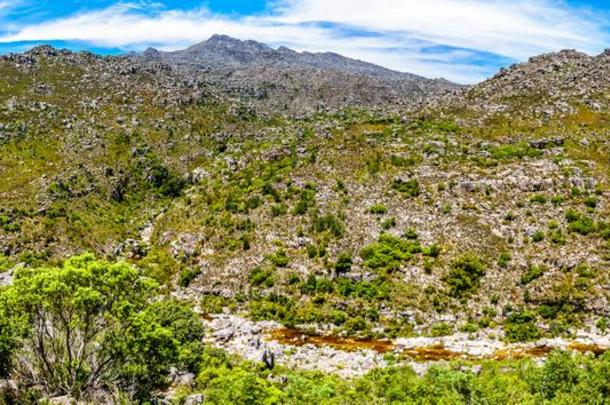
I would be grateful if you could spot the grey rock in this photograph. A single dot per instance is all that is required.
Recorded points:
(194, 399)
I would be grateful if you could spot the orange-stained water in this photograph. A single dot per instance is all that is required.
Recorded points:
(296, 337)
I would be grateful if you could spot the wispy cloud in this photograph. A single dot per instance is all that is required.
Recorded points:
(5, 5)
(515, 28)
(463, 40)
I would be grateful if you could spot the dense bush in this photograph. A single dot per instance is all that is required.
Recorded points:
(187, 276)
(91, 324)
(344, 263)
(521, 327)
(261, 277)
(514, 151)
(388, 253)
(564, 378)
(465, 275)
(327, 223)
(279, 258)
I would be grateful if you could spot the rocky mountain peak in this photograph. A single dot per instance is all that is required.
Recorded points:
(297, 80)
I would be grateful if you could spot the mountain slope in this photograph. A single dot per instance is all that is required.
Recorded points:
(551, 85)
(363, 222)
(285, 80)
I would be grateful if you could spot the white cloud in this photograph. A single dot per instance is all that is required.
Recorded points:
(515, 28)
(404, 30)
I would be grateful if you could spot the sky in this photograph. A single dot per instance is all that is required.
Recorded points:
(462, 40)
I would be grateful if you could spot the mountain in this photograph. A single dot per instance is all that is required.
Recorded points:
(283, 79)
(471, 226)
(551, 85)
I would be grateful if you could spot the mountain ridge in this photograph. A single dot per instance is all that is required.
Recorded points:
(283, 79)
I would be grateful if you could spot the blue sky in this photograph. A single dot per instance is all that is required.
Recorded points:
(462, 40)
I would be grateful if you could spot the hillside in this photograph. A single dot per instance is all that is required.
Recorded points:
(546, 88)
(481, 218)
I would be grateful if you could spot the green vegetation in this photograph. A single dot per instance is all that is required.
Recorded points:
(534, 272)
(288, 207)
(344, 263)
(409, 188)
(564, 378)
(91, 323)
(514, 151)
(521, 327)
(580, 223)
(465, 274)
(389, 253)
(378, 209)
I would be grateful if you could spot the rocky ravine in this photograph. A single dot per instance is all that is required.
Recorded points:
(351, 358)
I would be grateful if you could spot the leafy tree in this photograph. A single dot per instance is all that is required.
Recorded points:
(91, 324)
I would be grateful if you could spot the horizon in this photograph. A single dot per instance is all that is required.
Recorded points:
(464, 41)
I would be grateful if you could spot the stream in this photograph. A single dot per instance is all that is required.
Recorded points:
(351, 357)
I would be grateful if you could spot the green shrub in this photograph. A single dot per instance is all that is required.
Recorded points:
(309, 286)
(388, 253)
(465, 275)
(168, 183)
(278, 210)
(253, 202)
(279, 258)
(312, 251)
(534, 272)
(591, 202)
(538, 236)
(355, 324)
(328, 222)
(306, 200)
(5, 263)
(580, 223)
(8, 225)
(187, 276)
(261, 277)
(410, 188)
(504, 259)
(521, 327)
(388, 223)
(401, 161)
(378, 289)
(378, 209)
(441, 329)
(557, 200)
(433, 251)
(343, 263)
(373, 165)
(557, 237)
(538, 199)
(410, 234)
(514, 151)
